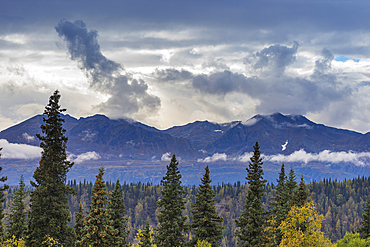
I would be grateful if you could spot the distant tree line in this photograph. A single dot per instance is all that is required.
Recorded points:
(60, 213)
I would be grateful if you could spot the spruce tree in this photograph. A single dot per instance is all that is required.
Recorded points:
(291, 186)
(280, 207)
(117, 208)
(49, 212)
(171, 205)
(2, 200)
(252, 221)
(18, 215)
(364, 230)
(145, 240)
(205, 220)
(79, 226)
(301, 195)
(99, 231)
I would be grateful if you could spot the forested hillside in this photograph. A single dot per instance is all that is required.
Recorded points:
(342, 203)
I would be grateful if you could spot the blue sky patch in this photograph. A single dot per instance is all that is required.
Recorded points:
(344, 59)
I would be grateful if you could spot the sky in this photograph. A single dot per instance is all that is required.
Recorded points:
(167, 63)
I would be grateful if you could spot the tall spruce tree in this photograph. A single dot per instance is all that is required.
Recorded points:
(301, 195)
(18, 215)
(252, 221)
(364, 230)
(291, 186)
(205, 220)
(145, 240)
(2, 200)
(117, 208)
(79, 226)
(170, 231)
(49, 212)
(280, 207)
(99, 231)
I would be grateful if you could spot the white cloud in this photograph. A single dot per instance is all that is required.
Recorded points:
(215, 157)
(28, 137)
(359, 159)
(301, 156)
(19, 151)
(251, 122)
(83, 157)
(166, 157)
(15, 38)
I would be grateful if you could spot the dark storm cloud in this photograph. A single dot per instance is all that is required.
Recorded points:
(127, 95)
(172, 75)
(222, 83)
(273, 59)
(280, 93)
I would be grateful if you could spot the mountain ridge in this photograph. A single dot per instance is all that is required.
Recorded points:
(132, 139)
(134, 151)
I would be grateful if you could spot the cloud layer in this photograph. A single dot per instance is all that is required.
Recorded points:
(300, 156)
(83, 157)
(19, 151)
(187, 61)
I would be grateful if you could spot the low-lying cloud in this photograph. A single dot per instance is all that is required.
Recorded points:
(213, 158)
(127, 95)
(166, 157)
(27, 137)
(83, 157)
(326, 156)
(19, 151)
(300, 156)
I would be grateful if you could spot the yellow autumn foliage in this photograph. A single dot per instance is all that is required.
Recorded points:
(13, 242)
(139, 236)
(302, 227)
(203, 243)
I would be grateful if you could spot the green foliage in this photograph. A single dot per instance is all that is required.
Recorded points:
(353, 240)
(79, 226)
(18, 215)
(364, 230)
(301, 195)
(146, 239)
(99, 230)
(206, 221)
(117, 209)
(49, 212)
(290, 186)
(280, 208)
(252, 221)
(171, 205)
(2, 200)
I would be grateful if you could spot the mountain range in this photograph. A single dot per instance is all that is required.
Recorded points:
(127, 144)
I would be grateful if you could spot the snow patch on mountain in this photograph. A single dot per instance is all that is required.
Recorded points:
(284, 146)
